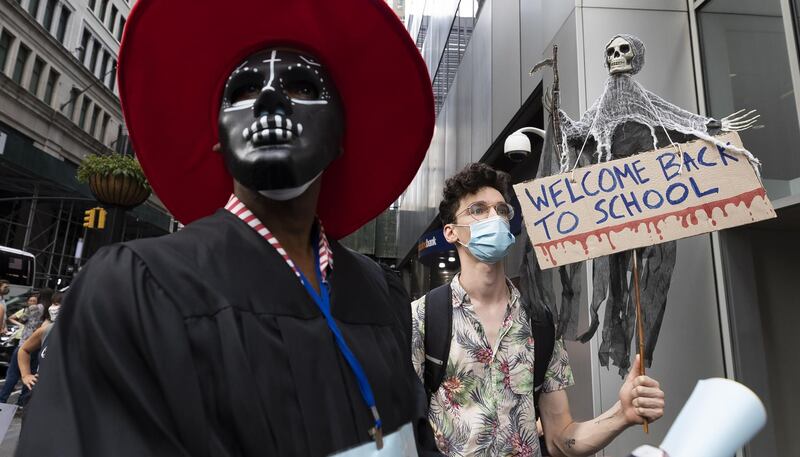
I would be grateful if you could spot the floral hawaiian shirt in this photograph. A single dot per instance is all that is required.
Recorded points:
(484, 406)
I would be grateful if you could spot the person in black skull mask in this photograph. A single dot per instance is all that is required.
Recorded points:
(251, 331)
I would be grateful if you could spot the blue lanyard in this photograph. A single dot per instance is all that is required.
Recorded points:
(323, 303)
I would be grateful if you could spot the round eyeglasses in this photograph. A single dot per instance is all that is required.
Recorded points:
(480, 210)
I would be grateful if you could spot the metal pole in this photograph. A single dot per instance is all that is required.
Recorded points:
(11, 223)
(31, 213)
(52, 249)
(639, 323)
(66, 239)
(79, 260)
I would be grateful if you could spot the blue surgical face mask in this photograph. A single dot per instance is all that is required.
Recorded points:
(490, 239)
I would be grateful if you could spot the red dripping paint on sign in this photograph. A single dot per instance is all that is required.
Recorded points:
(610, 203)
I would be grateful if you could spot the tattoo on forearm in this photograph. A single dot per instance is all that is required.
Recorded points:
(570, 443)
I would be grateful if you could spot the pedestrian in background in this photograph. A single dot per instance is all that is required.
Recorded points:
(35, 346)
(29, 318)
(5, 288)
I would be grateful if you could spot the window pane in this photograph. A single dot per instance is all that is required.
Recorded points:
(85, 45)
(112, 80)
(746, 66)
(118, 142)
(19, 65)
(92, 4)
(103, 68)
(6, 40)
(84, 109)
(62, 24)
(95, 51)
(103, 8)
(121, 28)
(93, 124)
(112, 18)
(69, 108)
(104, 130)
(49, 12)
(33, 7)
(50, 88)
(36, 76)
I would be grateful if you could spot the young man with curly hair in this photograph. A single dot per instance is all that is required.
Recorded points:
(484, 404)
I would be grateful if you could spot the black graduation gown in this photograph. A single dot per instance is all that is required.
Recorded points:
(204, 343)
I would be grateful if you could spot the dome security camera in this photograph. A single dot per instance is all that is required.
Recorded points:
(517, 146)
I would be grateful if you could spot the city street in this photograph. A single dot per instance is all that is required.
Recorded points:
(250, 211)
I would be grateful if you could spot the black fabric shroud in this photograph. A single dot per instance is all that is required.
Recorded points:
(612, 283)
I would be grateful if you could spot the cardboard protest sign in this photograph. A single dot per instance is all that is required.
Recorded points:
(640, 201)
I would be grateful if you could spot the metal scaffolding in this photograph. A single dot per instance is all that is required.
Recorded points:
(40, 217)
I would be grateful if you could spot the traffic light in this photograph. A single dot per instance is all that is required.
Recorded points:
(88, 218)
(95, 218)
(101, 217)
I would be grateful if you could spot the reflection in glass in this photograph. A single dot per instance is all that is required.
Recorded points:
(746, 65)
(457, 41)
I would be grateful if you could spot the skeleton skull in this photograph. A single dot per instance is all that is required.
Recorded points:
(619, 56)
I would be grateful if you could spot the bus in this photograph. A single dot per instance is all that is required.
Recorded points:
(19, 269)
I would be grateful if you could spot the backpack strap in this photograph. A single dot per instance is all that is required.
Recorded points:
(438, 333)
(544, 337)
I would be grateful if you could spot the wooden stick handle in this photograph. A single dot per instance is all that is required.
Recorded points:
(639, 323)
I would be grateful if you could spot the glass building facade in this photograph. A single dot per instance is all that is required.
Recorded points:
(734, 294)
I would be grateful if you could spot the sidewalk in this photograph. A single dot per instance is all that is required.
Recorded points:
(9, 443)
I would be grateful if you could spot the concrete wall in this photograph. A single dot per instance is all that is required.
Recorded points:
(27, 110)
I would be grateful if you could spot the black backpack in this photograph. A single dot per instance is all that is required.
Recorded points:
(439, 333)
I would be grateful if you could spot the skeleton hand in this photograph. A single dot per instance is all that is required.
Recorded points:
(737, 121)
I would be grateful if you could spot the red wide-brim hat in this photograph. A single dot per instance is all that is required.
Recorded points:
(176, 56)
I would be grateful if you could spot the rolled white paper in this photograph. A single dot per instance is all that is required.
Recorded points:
(647, 451)
(719, 417)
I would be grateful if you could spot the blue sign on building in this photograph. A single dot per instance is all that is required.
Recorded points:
(432, 245)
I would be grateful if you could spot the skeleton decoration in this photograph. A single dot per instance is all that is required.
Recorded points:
(624, 100)
(265, 103)
(627, 119)
(620, 55)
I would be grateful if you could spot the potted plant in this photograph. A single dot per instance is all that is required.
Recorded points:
(115, 179)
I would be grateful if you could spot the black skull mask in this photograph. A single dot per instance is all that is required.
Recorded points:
(281, 122)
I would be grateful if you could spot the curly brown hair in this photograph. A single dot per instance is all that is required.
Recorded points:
(470, 180)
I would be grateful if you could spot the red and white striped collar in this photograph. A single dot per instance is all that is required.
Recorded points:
(238, 209)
